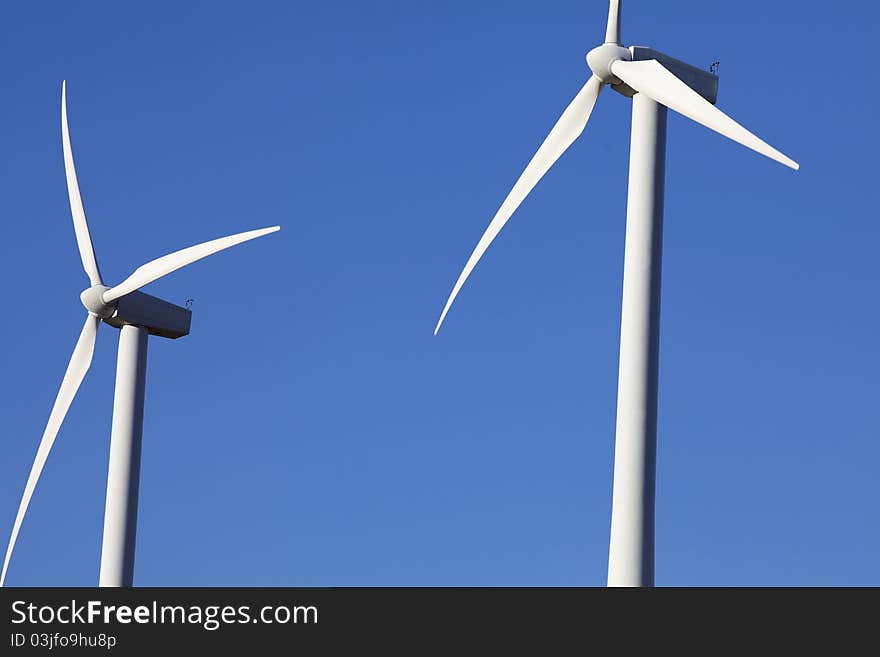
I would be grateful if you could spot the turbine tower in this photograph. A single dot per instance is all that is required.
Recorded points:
(137, 316)
(655, 82)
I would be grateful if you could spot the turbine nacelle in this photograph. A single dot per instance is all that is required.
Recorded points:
(93, 299)
(601, 59)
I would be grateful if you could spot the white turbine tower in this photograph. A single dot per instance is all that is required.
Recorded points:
(137, 315)
(654, 81)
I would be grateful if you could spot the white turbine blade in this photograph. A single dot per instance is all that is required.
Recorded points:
(172, 262)
(76, 371)
(612, 34)
(569, 127)
(80, 225)
(651, 78)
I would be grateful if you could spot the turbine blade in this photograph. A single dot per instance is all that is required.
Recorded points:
(163, 266)
(651, 78)
(569, 127)
(612, 34)
(73, 377)
(80, 225)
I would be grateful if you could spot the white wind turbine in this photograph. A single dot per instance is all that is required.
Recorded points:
(655, 82)
(137, 315)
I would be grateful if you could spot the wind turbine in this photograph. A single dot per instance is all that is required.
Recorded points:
(655, 82)
(137, 315)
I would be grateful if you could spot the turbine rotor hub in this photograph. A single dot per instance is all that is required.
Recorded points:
(93, 300)
(600, 60)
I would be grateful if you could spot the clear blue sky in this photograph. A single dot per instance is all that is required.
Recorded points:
(311, 430)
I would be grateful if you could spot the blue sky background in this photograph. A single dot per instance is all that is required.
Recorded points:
(311, 430)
